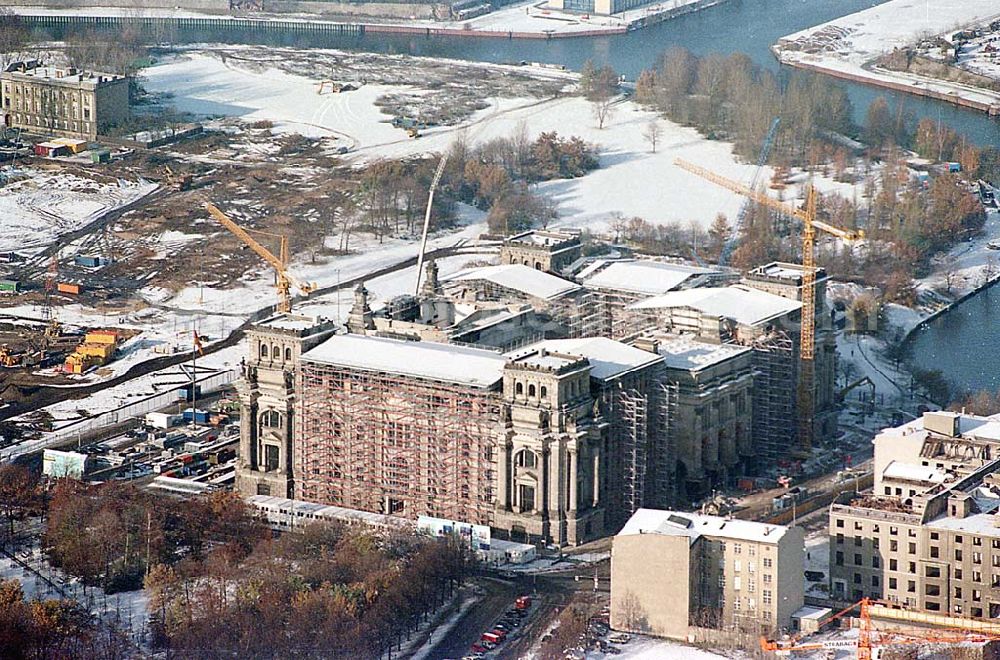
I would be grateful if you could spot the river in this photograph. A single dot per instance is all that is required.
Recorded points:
(962, 343)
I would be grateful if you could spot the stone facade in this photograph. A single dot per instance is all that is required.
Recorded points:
(63, 102)
(267, 402)
(549, 251)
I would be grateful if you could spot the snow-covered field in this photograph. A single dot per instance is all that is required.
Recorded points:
(38, 206)
(631, 180)
(848, 44)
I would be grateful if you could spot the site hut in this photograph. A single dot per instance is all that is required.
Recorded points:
(711, 422)
(544, 250)
(744, 316)
(267, 395)
(677, 574)
(66, 102)
(614, 284)
(927, 535)
(584, 441)
(785, 280)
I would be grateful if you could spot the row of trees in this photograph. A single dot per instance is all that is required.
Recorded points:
(111, 535)
(327, 592)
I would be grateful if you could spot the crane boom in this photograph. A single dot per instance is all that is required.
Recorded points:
(807, 336)
(285, 280)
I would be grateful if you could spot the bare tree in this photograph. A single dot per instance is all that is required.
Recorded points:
(604, 109)
(652, 133)
(13, 37)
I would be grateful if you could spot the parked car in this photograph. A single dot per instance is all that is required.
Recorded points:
(620, 638)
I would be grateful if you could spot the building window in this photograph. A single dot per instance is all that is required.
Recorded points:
(977, 576)
(840, 539)
(893, 546)
(752, 551)
(857, 559)
(839, 558)
(892, 583)
(958, 592)
(912, 549)
(737, 548)
(958, 539)
(525, 459)
(911, 586)
(875, 561)
(935, 552)
(840, 523)
(857, 540)
(857, 578)
(875, 581)
(737, 566)
(263, 350)
(288, 355)
(977, 595)
(270, 419)
(544, 391)
(766, 598)
(767, 562)
(958, 554)
(977, 558)
(737, 583)
(531, 390)
(893, 531)
(933, 571)
(977, 540)
(767, 578)
(893, 565)
(934, 536)
(518, 389)
(722, 582)
(271, 457)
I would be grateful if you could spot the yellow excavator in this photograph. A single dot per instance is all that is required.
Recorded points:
(283, 279)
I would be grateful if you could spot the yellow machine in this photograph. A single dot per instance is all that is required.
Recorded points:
(97, 348)
(807, 347)
(283, 279)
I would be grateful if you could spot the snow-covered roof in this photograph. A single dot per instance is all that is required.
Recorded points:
(741, 303)
(984, 524)
(686, 353)
(442, 362)
(290, 322)
(608, 358)
(645, 277)
(518, 277)
(909, 472)
(693, 525)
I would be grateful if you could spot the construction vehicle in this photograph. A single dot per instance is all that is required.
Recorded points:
(412, 132)
(870, 640)
(97, 349)
(176, 181)
(842, 394)
(807, 347)
(283, 279)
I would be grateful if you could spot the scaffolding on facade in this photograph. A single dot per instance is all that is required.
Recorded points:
(395, 445)
(634, 415)
(774, 395)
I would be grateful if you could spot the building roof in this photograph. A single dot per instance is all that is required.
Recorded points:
(518, 277)
(909, 472)
(545, 238)
(694, 525)
(608, 358)
(681, 352)
(447, 363)
(984, 524)
(644, 277)
(290, 322)
(743, 304)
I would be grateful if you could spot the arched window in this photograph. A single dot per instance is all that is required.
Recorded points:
(263, 350)
(270, 419)
(525, 459)
(538, 265)
(275, 352)
(531, 390)
(288, 355)
(519, 389)
(545, 391)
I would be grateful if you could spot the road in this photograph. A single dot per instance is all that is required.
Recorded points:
(551, 592)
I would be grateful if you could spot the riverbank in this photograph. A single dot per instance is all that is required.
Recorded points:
(530, 20)
(849, 47)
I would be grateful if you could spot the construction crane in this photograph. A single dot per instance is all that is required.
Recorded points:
(807, 342)
(283, 279)
(765, 151)
(871, 640)
(438, 173)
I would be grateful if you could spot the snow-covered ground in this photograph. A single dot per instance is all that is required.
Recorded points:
(631, 180)
(849, 44)
(37, 206)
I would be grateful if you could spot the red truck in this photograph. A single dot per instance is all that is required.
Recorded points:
(491, 637)
(522, 602)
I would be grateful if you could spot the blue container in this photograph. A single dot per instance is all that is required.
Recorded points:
(88, 262)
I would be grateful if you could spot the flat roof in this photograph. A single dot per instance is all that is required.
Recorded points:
(680, 352)
(447, 363)
(290, 322)
(741, 303)
(608, 358)
(639, 275)
(694, 525)
(909, 472)
(518, 277)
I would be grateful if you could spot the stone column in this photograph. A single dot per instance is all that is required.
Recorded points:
(573, 479)
(503, 476)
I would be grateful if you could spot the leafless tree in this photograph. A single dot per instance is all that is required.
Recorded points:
(604, 109)
(13, 37)
(652, 134)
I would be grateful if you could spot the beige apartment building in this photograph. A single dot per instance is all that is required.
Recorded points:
(928, 535)
(672, 572)
(67, 102)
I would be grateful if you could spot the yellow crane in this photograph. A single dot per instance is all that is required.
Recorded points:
(807, 340)
(283, 279)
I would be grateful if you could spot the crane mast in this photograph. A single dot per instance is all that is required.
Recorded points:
(807, 337)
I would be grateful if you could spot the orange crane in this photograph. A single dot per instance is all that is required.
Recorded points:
(870, 640)
(283, 279)
(807, 340)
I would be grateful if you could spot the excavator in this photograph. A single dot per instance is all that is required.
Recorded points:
(283, 279)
